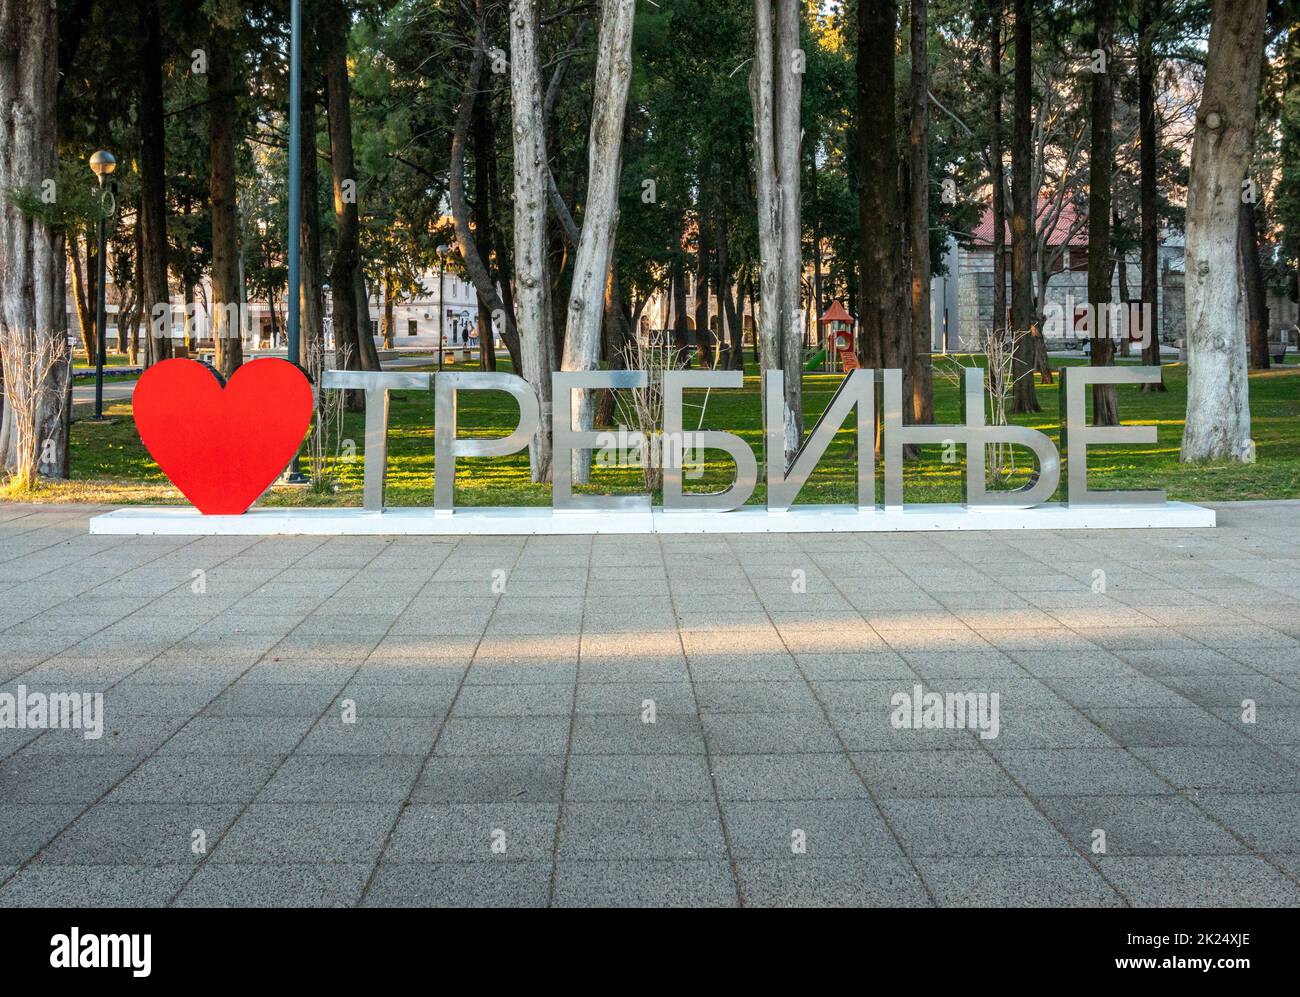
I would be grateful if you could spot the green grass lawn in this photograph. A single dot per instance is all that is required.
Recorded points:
(109, 463)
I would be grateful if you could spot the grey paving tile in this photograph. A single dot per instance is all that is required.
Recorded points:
(341, 778)
(873, 731)
(1139, 825)
(932, 774)
(762, 733)
(407, 699)
(514, 701)
(245, 700)
(474, 832)
(32, 778)
(1080, 772)
(142, 834)
(1137, 692)
(1068, 881)
(460, 884)
(238, 735)
(786, 777)
(25, 827)
(676, 734)
(1200, 881)
(1059, 728)
(1186, 662)
(491, 779)
(614, 778)
(642, 830)
(205, 778)
(1162, 727)
(516, 671)
(818, 829)
(332, 885)
(371, 735)
(1269, 822)
(93, 886)
(504, 736)
(644, 884)
(945, 828)
(854, 667)
(134, 736)
(631, 698)
(804, 881)
(1239, 769)
(284, 833)
(723, 668)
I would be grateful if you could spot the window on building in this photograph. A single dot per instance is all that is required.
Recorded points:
(374, 327)
(412, 327)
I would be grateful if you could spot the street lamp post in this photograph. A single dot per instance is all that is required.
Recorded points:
(294, 236)
(103, 164)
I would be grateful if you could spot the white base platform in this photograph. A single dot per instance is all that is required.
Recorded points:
(535, 521)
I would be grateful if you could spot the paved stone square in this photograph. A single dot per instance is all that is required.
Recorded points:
(432, 721)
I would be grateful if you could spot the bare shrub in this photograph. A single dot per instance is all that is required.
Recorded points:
(325, 444)
(28, 361)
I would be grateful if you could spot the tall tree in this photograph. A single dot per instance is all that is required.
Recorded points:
(886, 334)
(223, 85)
(1024, 311)
(311, 342)
(354, 347)
(997, 178)
(153, 178)
(1218, 401)
(776, 83)
(919, 220)
(33, 317)
(1148, 137)
(531, 181)
(1105, 411)
(582, 333)
(1254, 286)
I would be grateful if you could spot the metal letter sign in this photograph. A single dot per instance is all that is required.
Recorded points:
(878, 418)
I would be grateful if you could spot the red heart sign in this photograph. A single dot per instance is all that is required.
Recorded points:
(221, 445)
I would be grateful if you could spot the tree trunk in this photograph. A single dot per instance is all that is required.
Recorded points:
(310, 308)
(388, 332)
(33, 320)
(1024, 316)
(818, 299)
(882, 327)
(484, 219)
(354, 349)
(1148, 14)
(153, 178)
(789, 86)
(919, 192)
(141, 297)
(1105, 411)
(997, 179)
(704, 338)
(1218, 400)
(223, 83)
(1256, 291)
(591, 265)
(775, 90)
(788, 164)
(475, 111)
(83, 293)
(531, 176)
(677, 279)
